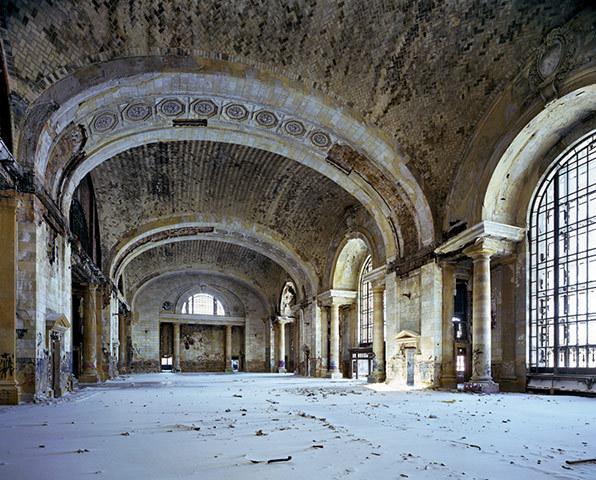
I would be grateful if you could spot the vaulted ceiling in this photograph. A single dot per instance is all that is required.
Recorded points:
(424, 72)
(254, 270)
(226, 185)
(369, 106)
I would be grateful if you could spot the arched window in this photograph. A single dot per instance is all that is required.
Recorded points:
(562, 241)
(203, 304)
(365, 300)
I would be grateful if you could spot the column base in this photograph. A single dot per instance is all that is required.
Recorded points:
(334, 375)
(376, 377)
(10, 395)
(90, 377)
(448, 382)
(282, 370)
(481, 386)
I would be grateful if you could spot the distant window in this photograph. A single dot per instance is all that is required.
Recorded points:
(562, 239)
(365, 300)
(203, 304)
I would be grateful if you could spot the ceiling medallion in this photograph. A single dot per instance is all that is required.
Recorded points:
(550, 58)
(204, 108)
(295, 128)
(266, 119)
(236, 111)
(104, 122)
(320, 139)
(171, 107)
(137, 112)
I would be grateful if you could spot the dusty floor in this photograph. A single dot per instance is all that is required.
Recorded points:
(210, 426)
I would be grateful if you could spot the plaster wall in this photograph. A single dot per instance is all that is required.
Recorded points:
(418, 303)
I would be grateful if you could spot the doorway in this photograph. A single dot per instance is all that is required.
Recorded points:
(166, 346)
(410, 352)
(55, 352)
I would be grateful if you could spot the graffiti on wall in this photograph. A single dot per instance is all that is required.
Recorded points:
(6, 365)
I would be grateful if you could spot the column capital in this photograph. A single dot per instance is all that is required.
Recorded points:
(378, 287)
(337, 297)
(481, 248)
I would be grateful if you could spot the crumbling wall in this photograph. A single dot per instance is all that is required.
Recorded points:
(44, 293)
(416, 302)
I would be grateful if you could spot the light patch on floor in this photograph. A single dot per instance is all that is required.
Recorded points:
(210, 426)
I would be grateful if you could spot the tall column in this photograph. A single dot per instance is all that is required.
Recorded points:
(89, 374)
(176, 366)
(448, 376)
(378, 374)
(282, 346)
(9, 389)
(99, 334)
(228, 366)
(333, 371)
(481, 320)
(122, 343)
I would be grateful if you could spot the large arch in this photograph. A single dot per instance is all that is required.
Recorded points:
(234, 231)
(198, 271)
(527, 125)
(337, 127)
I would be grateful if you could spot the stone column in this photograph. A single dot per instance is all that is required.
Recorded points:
(228, 364)
(176, 363)
(89, 374)
(448, 375)
(378, 374)
(9, 390)
(282, 346)
(481, 320)
(122, 343)
(333, 370)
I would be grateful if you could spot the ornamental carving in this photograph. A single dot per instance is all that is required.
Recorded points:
(295, 128)
(266, 119)
(236, 111)
(320, 139)
(204, 108)
(104, 122)
(137, 112)
(171, 107)
(554, 59)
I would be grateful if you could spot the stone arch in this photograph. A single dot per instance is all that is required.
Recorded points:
(553, 94)
(348, 262)
(260, 240)
(532, 152)
(200, 272)
(227, 298)
(283, 100)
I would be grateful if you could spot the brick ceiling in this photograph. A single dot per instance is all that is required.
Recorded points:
(205, 255)
(226, 182)
(423, 71)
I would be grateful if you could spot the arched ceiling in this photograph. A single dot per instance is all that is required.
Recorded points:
(255, 271)
(230, 185)
(170, 286)
(422, 72)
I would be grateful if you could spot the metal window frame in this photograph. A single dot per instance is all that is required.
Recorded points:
(566, 257)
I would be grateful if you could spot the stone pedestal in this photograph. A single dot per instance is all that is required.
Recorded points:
(9, 390)
(89, 374)
(228, 366)
(378, 373)
(481, 380)
(176, 364)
